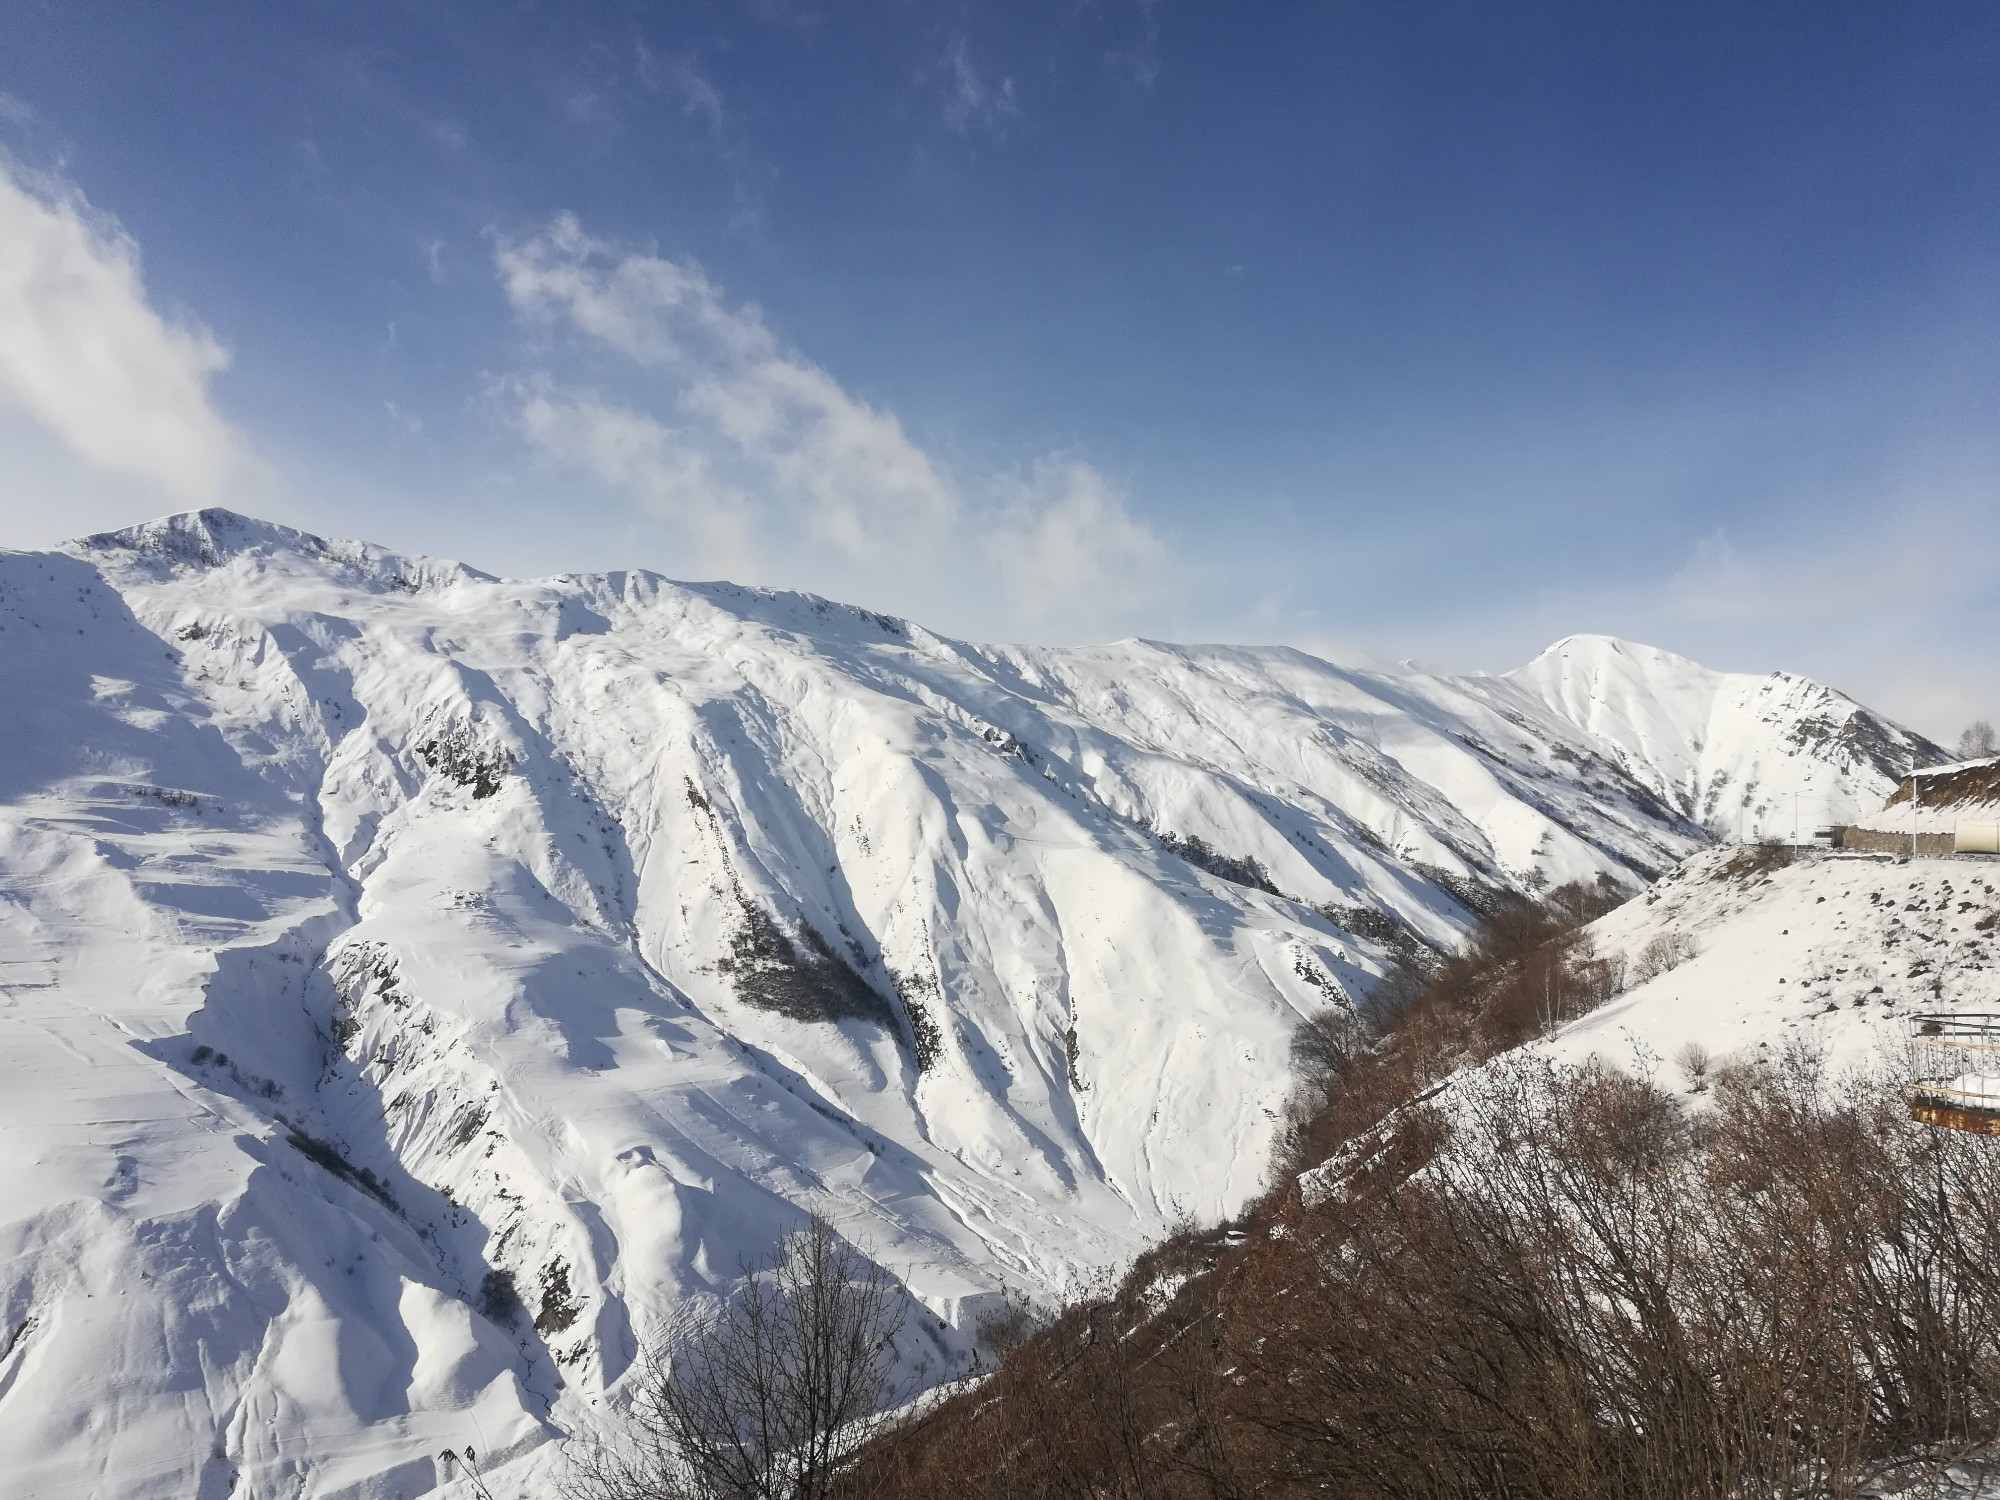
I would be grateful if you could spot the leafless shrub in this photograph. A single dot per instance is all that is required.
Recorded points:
(1753, 860)
(1003, 1329)
(1581, 902)
(1667, 951)
(1695, 1061)
(1526, 969)
(766, 1397)
(1326, 1044)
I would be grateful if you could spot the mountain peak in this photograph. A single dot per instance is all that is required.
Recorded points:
(204, 536)
(1604, 650)
(214, 535)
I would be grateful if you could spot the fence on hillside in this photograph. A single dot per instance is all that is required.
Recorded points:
(1955, 1070)
(1875, 841)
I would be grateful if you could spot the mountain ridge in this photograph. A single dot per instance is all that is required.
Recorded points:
(384, 934)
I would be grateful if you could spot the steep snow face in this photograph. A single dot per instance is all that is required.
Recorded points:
(416, 985)
(1745, 756)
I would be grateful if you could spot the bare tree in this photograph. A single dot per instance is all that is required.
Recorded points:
(766, 1397)
(1978, 741)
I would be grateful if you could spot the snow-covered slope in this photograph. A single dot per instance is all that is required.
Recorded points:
(1746, 756)
(376, 934)
(1833, 950)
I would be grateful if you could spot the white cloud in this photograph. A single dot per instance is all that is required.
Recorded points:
(648, 308)
(84, 353)
(842, 496)
(679, 74)
(969, 100)
(656, 465)
(859, 484)
(1139, 61)
(1069, 547)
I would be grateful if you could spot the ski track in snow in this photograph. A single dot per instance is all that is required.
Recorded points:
(369, 925)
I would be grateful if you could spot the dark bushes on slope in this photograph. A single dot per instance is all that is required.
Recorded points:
(1544, 1282)
(1527, 968)
(1753, 860)
(803, 979)
(328, 1156)
(1196, 851)
(1565, 1287)
(499, 1298)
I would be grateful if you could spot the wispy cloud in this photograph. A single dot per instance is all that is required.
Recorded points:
(862, 485)
(661, 467)
(680, 78)
(680, 75)
(753, 449)
(1138, 61)
(1066, 536)
(84, 352)
(971, 101)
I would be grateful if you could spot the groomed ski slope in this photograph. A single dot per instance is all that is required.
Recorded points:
(375, 933)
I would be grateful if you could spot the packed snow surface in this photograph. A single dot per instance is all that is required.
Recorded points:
(417, 985)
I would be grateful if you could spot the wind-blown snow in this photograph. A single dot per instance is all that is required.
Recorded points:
(373, 930)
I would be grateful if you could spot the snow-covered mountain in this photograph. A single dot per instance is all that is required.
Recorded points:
(1746, 756)
(377, 936)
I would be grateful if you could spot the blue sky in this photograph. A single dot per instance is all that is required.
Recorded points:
(1387, 330)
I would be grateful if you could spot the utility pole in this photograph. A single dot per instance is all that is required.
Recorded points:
(1913, 805)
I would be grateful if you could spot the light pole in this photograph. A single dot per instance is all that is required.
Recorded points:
(1913, 804)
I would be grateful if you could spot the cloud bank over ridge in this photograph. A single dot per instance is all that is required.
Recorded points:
(766, 462)
(86, 356)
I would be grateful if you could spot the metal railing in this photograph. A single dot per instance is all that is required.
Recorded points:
(1955, 1069)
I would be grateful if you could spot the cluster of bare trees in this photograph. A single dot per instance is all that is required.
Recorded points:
(1669, 950)
(1587, 1292)
(1537, 1282)
(1564, 1286)
(1527, 968)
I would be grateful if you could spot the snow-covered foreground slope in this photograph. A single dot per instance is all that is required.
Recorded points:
(375, 933)
(1834, 951)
